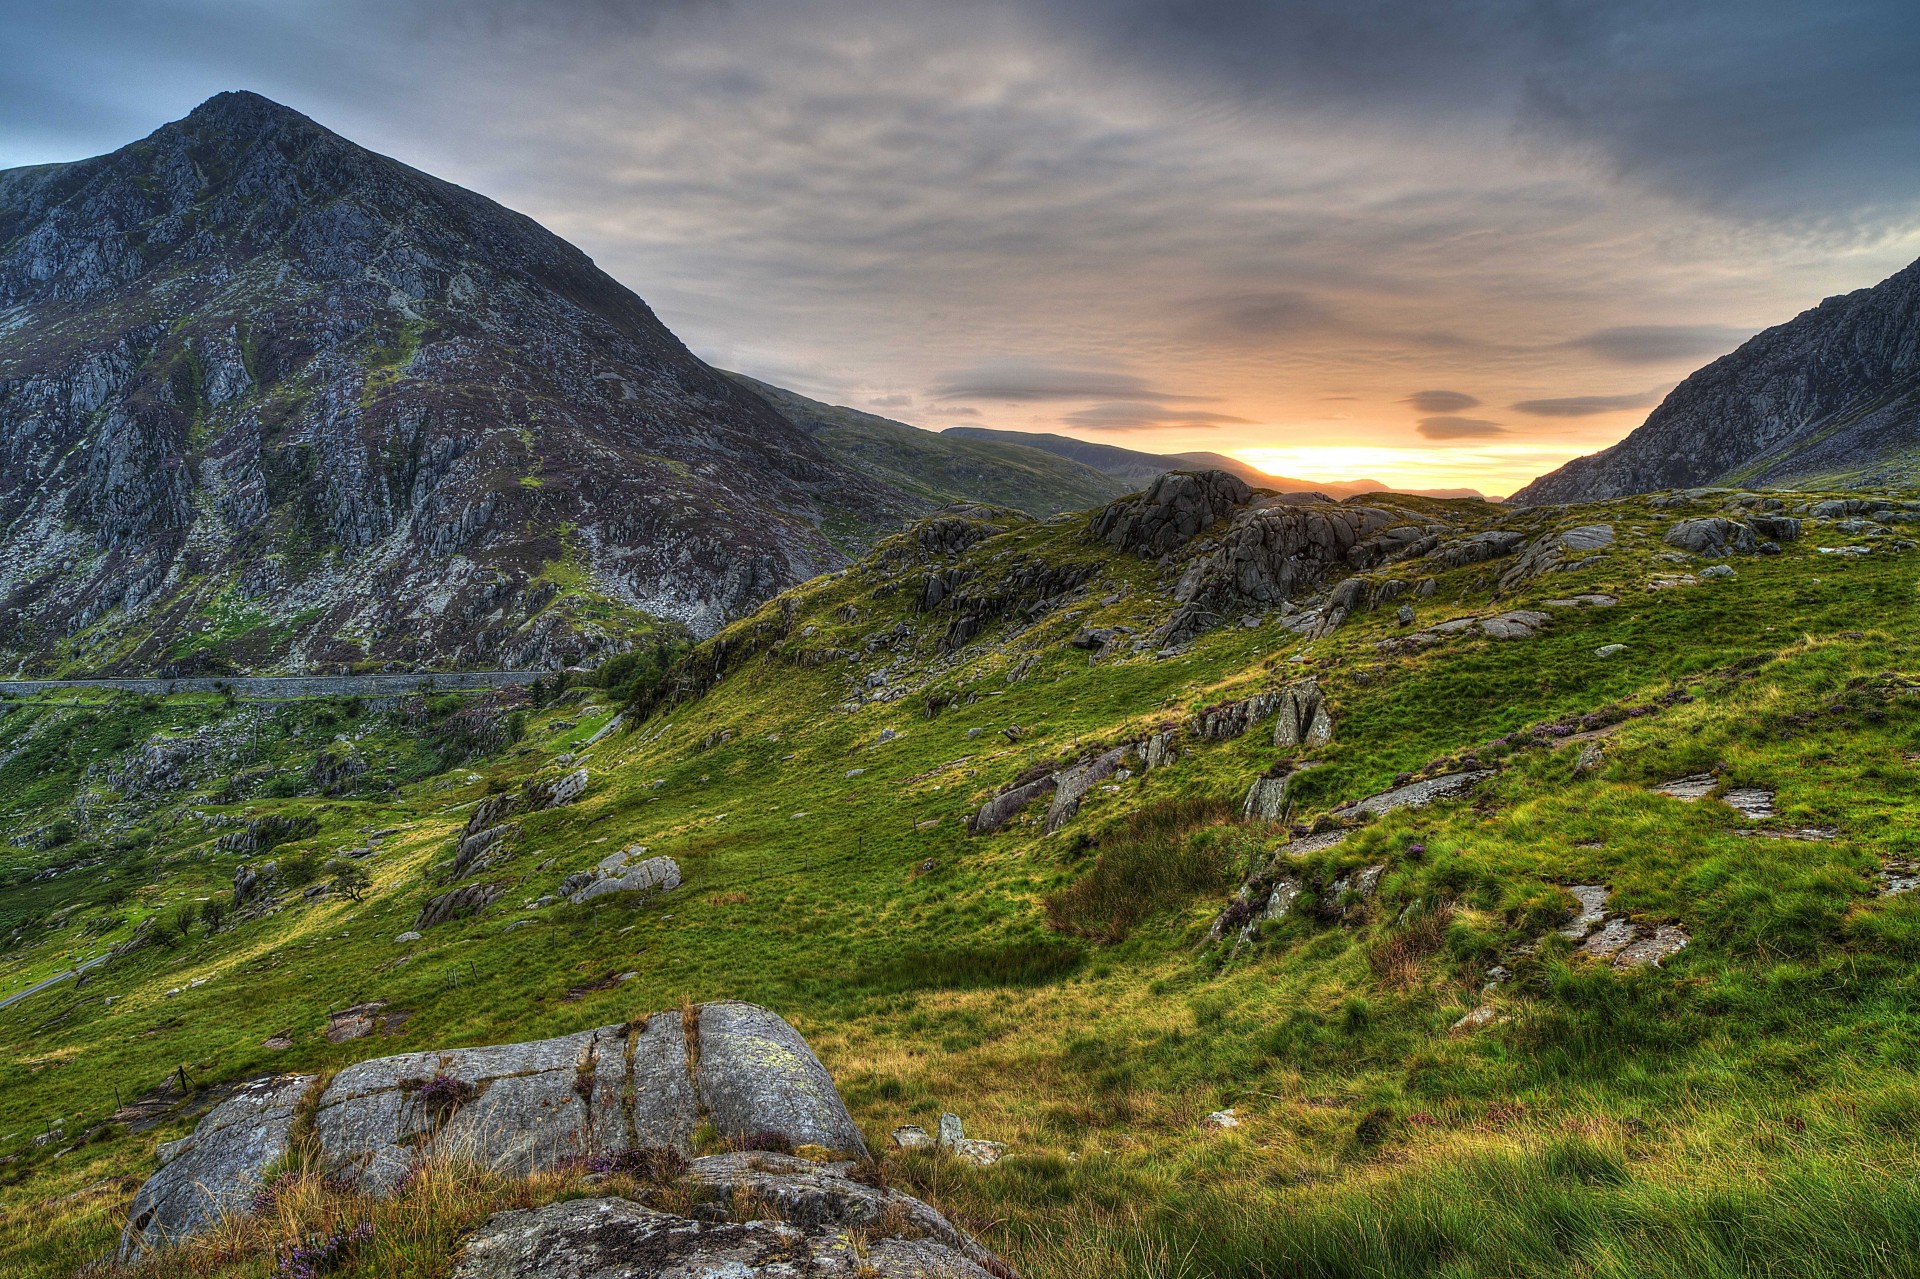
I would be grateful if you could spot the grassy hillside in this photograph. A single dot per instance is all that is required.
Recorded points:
(1749, 1106)
(942, 468)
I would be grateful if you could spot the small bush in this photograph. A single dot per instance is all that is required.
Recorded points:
(1162, 856)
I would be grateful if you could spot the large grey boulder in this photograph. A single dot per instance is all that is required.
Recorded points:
(512, 1108)
(756, 1075)
(216, 1169)
(515, 1107)
(1008, 804)
(1303, 716)
(619, 1239)
(1072, 784)
(621, 873)
(1224, 721)
(1714, 535)
(454, 903)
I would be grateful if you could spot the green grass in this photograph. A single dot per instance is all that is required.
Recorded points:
(1750, 1108)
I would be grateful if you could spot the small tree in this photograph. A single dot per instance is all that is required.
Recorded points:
(213, 914)
(180, 920)
(350, 879)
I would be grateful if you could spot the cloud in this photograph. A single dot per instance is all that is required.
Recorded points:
(1458, 428)
(1278, 313)
(1587, 405)
(1136, 415)
(957, 411)
(1024, 380)
(891, 401)
(1442, 401)
(1660, 343)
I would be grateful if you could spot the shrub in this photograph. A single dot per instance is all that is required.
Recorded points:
(1162, 855)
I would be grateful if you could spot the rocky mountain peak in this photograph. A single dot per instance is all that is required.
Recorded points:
(1831, 397)
(252, 371)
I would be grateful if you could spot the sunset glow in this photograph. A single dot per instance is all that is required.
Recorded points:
(1493, 469)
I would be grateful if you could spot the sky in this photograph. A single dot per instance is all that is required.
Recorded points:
(1431, 244)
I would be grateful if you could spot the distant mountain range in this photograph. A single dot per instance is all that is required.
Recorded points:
(1829, 399)
(1138, 469)
(1003, 469)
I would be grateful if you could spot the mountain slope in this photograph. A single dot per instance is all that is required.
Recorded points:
(943, 468)
(266, 395)
(1831, 398)
(1421, 1043)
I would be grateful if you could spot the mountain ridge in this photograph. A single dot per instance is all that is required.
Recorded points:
(1830, 398)
(265, 392)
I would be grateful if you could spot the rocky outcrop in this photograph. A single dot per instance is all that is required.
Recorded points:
(1565, 551)
(217, 1169)
(628, 871)
(513, 1108)
(1176, 508)
(1713, 536)
(1008, 804)
(457, 903)
(1072, 784)
(755, 1215)
(756, 1075)
(1829, 395)
(1303, 716)
(1272, 554)
(253, 369)
(1224, 721)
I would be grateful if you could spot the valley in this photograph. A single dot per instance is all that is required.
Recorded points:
(1226, 1013)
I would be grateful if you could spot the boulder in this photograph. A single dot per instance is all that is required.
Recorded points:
(757, 1075)
(1266, 799)
(1713, 535)
(455, 903)
(817, 1221)
(1303, 716)
(1005, 806)
(216, 1169)
(514, 1108)
(647, 875)
(1419, 794)
(1227, 720)
(562, 790)
(1072, 784)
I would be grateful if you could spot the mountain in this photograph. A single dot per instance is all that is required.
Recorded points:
(943, 468)
(268, 397)
(1829, 399)
(1139, 469)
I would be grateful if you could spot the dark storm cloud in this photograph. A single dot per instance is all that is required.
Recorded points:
(1660, 343)
(1769, 108)
(1587, 405)
(1442, 401)
(1448, 427)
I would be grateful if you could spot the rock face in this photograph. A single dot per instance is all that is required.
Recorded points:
(216, 1169)
(1712, 536)
(253, 370)
(621, 873)
(809, 1218)
(1175, 509)
(515, 1108)
(1831, 394)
